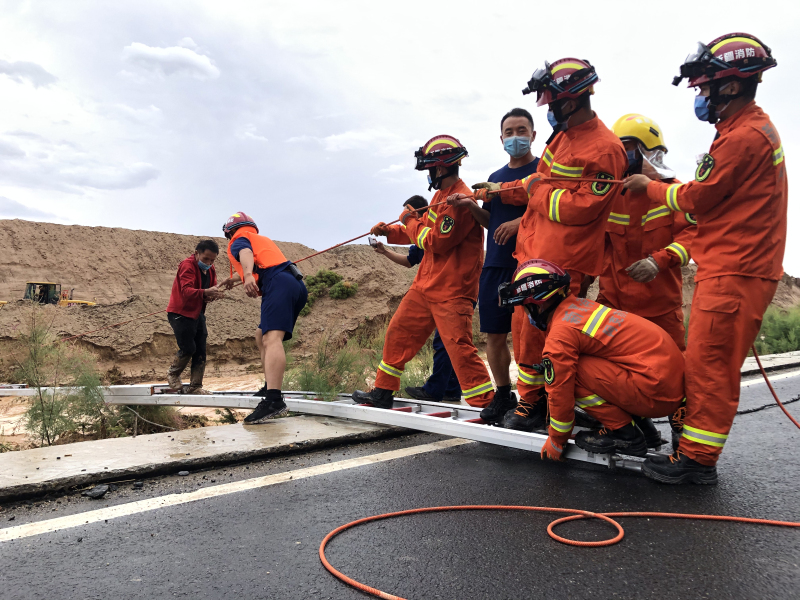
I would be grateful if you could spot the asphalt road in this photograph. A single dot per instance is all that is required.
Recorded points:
(263, 542)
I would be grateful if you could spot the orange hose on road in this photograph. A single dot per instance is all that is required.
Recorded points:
(771, 389)
(574, 514)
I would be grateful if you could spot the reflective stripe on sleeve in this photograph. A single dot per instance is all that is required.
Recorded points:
(432, 215)
(680, 251)
(529, 379)
(619, 219)
(593, 324)
(672, 197)
(777, 156)
(655, 213)
(565, 171)
(561, 426)
(555, 199)
(547, 157)
(592, 400)
(478, 390)
(390, 370)
(421, 237)
(701, 436)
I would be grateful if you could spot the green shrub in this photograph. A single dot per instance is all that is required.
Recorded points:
(342, 290)
(326, 283)
(780, 331)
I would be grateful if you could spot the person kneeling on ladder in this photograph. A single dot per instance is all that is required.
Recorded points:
(610, 363)
(265, 271)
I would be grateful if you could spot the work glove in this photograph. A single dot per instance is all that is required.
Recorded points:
(380, 229)
(482, 190)
(644, 270)
(407, 213)
(551, 450)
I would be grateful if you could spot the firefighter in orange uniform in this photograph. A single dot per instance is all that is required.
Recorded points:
(610, 363)
(565, 220)
(446, 285)
(739, 199)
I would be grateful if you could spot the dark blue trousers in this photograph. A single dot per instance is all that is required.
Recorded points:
(443, 381)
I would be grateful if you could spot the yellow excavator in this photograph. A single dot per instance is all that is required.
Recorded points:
(47, 292)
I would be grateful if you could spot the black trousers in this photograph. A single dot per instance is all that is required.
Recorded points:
(191, 335)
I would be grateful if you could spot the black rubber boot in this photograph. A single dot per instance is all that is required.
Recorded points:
(500, 405)
(175, 370)
(652, 436)
(527, 417)
(584, 419)
(679, 468)
(378, 397)
(270, 407)
(625, 440)
(419, 393)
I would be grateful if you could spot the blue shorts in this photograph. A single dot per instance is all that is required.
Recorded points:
(283, 297)
(494, 318)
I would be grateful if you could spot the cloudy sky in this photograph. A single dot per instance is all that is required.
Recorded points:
(172, 115)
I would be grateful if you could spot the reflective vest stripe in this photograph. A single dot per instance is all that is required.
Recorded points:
(592, 400)
(655, 213)
(565, 171)
(555, 198)
(529, 379)
(701, 436)
(594, 322)
(390, 370)
(421, 237)
(777, 156)
(680, 251)
(560, 426)
(478, 390)
(619, 219)
(672, 197)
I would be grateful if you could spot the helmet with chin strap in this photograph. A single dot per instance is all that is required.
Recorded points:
(565, 79)
(440, 151)
(235, 221)
(535, 283)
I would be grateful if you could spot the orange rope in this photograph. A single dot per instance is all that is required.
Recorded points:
(771, 389)
(574, 514)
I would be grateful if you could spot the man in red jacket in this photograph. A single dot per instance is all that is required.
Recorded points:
(194, 287)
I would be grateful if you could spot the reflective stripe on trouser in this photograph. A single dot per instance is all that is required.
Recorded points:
(726, 316)
(611, 393)
(528, 342)
(411, 326)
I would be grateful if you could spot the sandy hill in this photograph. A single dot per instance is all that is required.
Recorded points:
(130, 273)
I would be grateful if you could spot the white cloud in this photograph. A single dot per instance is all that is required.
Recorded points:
(9, 149)
(22, 71)
(188, 42)
(149, 115)
(377, 141)
(250, 132)
(174, 60)
(105, 177)
(393, 169)
(11, 209)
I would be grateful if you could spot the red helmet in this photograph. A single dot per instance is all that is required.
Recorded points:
(565, 78)
(535, 281)
(237, 220)
(439, 151)
(732, 55)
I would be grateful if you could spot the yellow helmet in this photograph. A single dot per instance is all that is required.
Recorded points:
(639, 127)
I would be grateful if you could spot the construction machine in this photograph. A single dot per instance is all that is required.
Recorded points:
(47, 292)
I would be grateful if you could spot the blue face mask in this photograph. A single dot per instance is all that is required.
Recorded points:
(203, 266)
(516, 146)
(632, 158)
(551, 118)
(701, 107)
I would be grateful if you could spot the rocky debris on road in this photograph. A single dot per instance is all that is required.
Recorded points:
(183, 473)
(96, 492)
(137, 485)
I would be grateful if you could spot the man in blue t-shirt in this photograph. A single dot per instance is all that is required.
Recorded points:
(443, 383)
(502, 222)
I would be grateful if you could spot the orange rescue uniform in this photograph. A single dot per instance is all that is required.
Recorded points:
(266, 253)
(564, 223)
(639, 227)
(739, 199)
(442, 296)
(610, 363)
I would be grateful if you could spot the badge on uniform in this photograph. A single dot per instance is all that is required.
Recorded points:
(549, 372)
(601, 189)
(447, 224)
(704, 168)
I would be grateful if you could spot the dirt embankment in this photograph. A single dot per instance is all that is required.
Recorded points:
(130, 273)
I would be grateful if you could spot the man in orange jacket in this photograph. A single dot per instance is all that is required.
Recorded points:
(612, 364)
(263, 268)
(739, 198)
(446, 285)
(565, 220)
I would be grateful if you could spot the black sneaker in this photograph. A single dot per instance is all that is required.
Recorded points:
(679, 468)
(652, 436)
(378, 397)
(527, 417)
(266, 410)
(625, 440)
(497, 409)
(262, 393)
(419, 393)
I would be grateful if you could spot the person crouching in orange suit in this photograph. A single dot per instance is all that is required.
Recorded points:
(739, 198)
(610, 363)
(446, 285)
